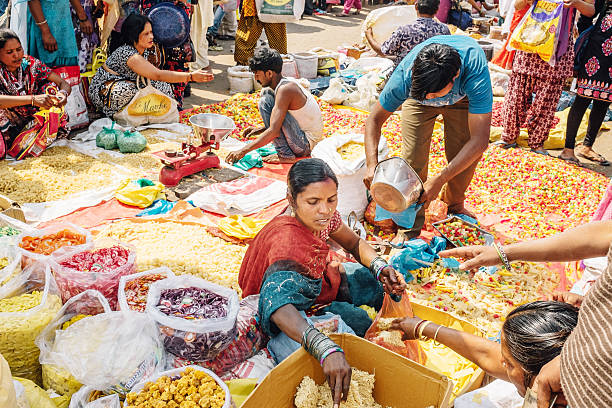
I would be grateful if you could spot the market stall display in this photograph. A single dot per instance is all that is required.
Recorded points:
(81, 306)
(98, 268)
(208, 390)
(310, 395)
(134, 288)
(23, 316)
(160, 243)
(196, 318)
(462, 233)
(60, 240)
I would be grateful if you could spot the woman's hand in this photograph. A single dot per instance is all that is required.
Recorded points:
(202, 76)
(62, 98)
(338, 374)
(569, 298)
(44, 101)
(406, 325)
(392, 281)
(48, 40)
(86, 26)
(478, 255)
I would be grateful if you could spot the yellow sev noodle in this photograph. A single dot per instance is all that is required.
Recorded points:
(184, 248)
(351, 151)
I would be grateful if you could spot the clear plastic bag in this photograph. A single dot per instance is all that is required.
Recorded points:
(80, 399)
(102, 276)
(23, 316)
(107, 138)
(176, 373)
(109, 352)
(10, 275)
(20, 394)
(62, 251)
(249, 340)
(195, 340)
(130, 299)
(380, 334)
(88, 303)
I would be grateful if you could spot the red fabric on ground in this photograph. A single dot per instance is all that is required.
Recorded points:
(89, 217)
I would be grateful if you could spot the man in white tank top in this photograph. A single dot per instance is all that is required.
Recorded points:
(292, 118)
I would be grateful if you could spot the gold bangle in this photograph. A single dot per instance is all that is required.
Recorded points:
(422, 328)
(435, 337)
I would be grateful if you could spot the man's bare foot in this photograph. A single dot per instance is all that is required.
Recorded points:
(274, 159)
(460, 209)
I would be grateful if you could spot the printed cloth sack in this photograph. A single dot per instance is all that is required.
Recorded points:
(148, 106)
(38, 134)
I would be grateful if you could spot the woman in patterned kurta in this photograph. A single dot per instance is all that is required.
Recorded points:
(24, 84)
(594, 84)
(532, 75)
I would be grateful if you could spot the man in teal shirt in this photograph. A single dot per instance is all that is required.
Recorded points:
(446, 75)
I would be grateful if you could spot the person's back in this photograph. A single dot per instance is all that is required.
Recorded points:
(305, 110)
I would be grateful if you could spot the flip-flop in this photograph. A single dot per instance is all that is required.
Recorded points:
(599, 159)
(540, 152)
(505, 145)
(572, 160)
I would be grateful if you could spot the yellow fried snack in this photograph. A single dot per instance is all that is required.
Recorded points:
(193, 389)
(351, 151)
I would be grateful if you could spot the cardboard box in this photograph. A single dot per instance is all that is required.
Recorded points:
(400, 383)
(11, 209)
(445, 319)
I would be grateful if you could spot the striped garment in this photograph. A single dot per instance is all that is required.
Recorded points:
(586, 359)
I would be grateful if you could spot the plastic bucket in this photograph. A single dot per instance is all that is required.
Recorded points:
(290, 68)
(307, 63)
(241, 79)
(487, 47)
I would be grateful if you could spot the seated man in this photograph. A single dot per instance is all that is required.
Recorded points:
(406, 37)
(291, 116)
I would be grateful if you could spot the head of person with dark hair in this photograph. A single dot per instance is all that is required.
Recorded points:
(532, 335)
(11, 51)
(434, 71)
(427, 8)
(267, 65)
(137, 31)
(312, 193)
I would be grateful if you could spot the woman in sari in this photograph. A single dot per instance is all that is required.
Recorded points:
(26, 85)
(314, 283)
(114, 85)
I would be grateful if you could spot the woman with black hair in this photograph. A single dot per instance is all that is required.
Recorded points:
(290, 265)
(114, 84)
(26, 86)
(532, 335)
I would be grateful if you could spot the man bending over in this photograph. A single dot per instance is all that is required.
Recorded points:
(291, 116)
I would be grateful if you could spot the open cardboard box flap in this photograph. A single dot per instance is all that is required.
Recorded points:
(400, 383)
(10, 208)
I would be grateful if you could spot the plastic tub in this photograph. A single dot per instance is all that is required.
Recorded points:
(290, 67)
(241, 79)
(307, 64)
(328, 61)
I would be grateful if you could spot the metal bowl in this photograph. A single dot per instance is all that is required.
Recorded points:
(210, 127)
(395, 186)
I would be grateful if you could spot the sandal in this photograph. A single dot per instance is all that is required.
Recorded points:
(541, 152)
(595, 157)
(505, 145)
(572, 160)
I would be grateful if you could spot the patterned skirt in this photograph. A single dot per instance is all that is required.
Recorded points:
(594, 79)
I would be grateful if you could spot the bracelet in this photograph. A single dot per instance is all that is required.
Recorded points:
(416, 328)
(502, 256)
(330, 351)
(32, 102)
(435, 337)
(41, 23)
(316, 343)
(377, 265)
(190, 77)
(422, 328)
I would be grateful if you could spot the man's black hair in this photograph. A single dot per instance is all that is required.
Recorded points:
(434, 67)
(428, 7)
(266, 59)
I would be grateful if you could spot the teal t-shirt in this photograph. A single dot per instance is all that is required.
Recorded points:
(474, 81)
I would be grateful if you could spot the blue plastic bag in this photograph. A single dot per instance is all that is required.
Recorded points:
(404, 219)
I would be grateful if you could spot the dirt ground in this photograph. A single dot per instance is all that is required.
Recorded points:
(329, 32)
